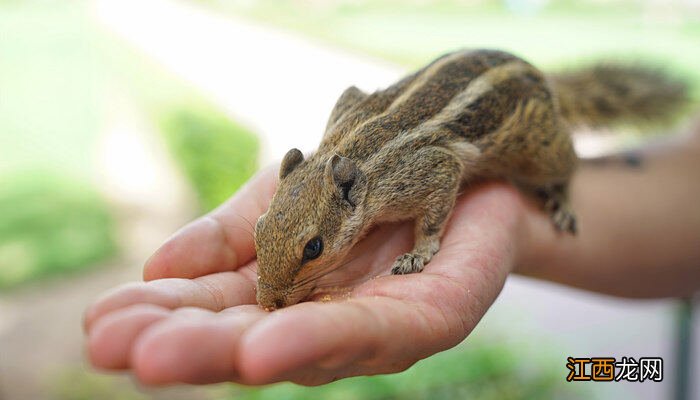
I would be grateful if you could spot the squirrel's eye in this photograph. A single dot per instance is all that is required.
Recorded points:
(312, 249)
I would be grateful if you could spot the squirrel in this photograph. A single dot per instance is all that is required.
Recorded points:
(405, 152)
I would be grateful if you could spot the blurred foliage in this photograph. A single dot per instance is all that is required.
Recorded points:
(57, 85)
(217, 155)
(50, 225)
(480, 369)
(52, 221)
(477, 370)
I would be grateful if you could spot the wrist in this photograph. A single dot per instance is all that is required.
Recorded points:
(535, 241)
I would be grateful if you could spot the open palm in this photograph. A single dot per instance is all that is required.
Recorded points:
(195, 319)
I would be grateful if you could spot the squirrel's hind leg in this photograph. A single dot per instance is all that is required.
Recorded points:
(555, 201)
(442, 179)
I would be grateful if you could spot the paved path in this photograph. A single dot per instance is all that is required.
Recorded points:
(41, 336)
(282, 86)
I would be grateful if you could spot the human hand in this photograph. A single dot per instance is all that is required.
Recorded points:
(195, 319)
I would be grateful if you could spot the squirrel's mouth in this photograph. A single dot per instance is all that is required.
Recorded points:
(271, 298)
(277, 303)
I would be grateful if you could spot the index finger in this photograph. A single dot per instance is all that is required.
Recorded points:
(221, 240)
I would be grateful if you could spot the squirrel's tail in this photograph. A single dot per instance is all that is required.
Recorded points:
(607, 94)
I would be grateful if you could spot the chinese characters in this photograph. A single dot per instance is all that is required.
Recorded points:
(606, 369)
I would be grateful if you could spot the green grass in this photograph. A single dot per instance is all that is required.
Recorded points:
(479, 370)
(50, 226)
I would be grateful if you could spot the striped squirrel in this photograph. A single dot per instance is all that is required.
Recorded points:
(404, 152)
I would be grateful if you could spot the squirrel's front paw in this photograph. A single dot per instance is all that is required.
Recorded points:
(407, 264)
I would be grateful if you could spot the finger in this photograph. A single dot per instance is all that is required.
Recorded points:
(111, 339)
(358, 336)
(315, 376)
(199, 348)
(219, 241)
(213, 292)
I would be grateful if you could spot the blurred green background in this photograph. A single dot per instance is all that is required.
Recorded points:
(55, 67)
(64, 80)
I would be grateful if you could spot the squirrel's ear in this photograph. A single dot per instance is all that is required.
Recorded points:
(344, 174)
(350, 97)
(290, 161)
(259, 222)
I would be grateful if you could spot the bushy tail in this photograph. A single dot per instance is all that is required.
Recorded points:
(608, 94)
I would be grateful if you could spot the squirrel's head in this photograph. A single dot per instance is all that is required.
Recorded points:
(313, 221)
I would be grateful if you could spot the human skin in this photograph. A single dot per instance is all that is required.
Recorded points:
(194, 320)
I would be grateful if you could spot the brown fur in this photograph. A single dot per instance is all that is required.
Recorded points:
(605, 94)
(404, 152)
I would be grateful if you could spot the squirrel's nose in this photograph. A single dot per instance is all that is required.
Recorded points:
(270, 300)
(273, 304)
